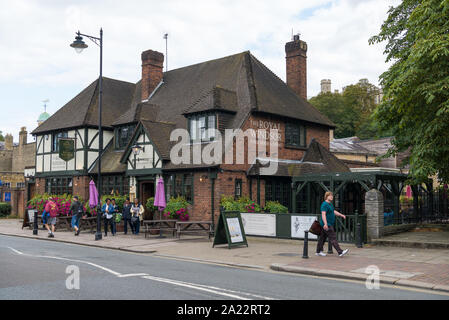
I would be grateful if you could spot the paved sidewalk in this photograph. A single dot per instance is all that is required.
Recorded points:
(415, 267)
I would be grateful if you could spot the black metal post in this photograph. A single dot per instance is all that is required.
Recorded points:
(358, 235)
(35, 225)
(98, 235)
(305, 252)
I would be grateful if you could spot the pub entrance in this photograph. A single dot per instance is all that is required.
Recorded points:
(147, 190)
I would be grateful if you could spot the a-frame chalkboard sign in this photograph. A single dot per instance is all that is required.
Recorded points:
(230, 230)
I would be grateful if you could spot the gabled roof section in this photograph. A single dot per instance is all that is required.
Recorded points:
(274, 96)
(317, 159)
(83, 109)
(216, 99)
(159, 135)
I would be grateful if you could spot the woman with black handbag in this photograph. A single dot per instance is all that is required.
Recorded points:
(327, 222)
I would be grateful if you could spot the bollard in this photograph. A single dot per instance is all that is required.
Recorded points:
(35, 226)
(305, 253)
(329, 247)
(358, 234)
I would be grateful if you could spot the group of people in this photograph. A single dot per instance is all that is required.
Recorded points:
(131, 214)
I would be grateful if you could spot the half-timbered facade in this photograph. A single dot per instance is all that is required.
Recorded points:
(234, 92)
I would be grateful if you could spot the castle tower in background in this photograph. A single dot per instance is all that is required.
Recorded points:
(325, 85)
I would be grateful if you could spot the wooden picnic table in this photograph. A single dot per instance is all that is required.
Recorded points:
(159, 225)
(194, 227)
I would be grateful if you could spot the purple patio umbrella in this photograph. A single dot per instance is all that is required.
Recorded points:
(93, 194)
(159, 200)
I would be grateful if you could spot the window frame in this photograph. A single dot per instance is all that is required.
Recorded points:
(197, 135)
(301, 133)
(57, 135)
(117, 138)
(238, 188)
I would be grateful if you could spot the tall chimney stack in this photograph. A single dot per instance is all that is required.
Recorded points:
(152, 64)
(296, 63)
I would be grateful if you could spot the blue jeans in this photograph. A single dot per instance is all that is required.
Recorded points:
(76, 221)
(45, 216)
(137, 227)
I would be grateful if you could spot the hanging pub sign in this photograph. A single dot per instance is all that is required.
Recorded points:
(230, 230)
(66, 149)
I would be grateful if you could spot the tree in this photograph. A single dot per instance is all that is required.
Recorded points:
(2, 138)
(416, 86)
(351, 111)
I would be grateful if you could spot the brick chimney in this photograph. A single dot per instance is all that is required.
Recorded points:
(23, 136)
(152, 64)
(296, 63)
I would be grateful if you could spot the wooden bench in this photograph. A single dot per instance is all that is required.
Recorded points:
(161, 225)
(90, 222)
(194, 227)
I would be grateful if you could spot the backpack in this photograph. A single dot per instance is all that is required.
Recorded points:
(53, 210)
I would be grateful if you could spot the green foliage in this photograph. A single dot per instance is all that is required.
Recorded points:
(416, 86)
(351, 111)
(275, 207)
(5, 209)
(2, 138)
(243, 204)
(177, 209)
(150, 205)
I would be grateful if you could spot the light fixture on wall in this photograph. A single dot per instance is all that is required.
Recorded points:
(203, 178)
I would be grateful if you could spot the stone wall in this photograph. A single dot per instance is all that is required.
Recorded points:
(374, 210)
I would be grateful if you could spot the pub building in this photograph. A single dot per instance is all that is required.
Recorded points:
(234, 92)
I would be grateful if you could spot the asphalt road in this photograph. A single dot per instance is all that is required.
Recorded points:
(36, 269)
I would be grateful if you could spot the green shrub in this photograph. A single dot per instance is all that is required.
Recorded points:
(275, 207)
(243, 204)
(5, 209)
(150, 205)
(177, 209)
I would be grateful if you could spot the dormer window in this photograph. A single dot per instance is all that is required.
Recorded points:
(199, 126)
(122, 136)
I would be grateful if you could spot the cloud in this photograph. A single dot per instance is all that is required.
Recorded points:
(35, 38)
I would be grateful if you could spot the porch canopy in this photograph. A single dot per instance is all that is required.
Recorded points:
(349, 189)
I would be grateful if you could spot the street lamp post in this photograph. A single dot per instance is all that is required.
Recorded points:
(79, 46)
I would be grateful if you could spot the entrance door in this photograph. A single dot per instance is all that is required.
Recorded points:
(146, 191)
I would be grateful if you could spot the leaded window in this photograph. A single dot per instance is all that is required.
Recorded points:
(59, 186)
(295, 135)
(180, 185)
(202, 127)
(55, 140)
(123, 135)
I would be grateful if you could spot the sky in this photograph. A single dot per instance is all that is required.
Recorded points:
(37, 63)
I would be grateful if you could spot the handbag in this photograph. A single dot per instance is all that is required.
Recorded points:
(134, 219)
(316, 228)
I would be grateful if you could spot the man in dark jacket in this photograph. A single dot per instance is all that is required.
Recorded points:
(127, 216)
(77, 211)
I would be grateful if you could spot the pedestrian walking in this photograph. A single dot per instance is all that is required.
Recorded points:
(108, 213)
(49, 217)
(77, 211)
(327, 221)
(127, 216)
(137, 211)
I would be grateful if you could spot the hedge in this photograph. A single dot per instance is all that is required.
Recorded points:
(5, 209)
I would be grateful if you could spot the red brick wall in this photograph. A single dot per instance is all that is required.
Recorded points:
(81, 187)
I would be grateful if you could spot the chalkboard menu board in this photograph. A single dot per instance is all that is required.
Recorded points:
(230, 230)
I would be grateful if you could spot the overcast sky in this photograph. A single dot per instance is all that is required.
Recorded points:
(37, 62)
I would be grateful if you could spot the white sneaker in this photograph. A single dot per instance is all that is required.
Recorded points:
(343, 253)
(322, 254)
